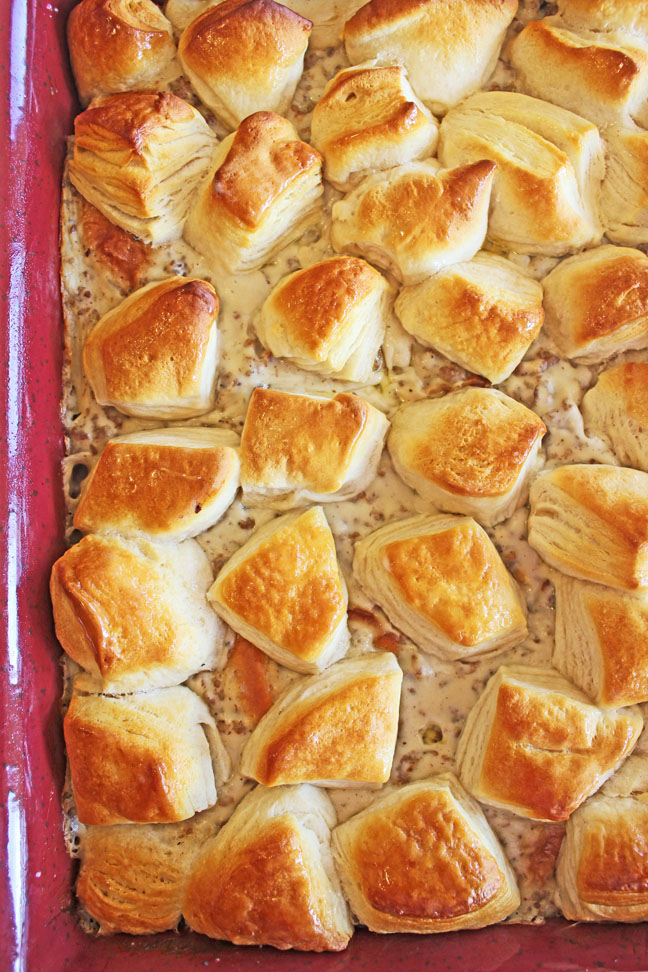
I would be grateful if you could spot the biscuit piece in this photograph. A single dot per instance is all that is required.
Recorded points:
(483, 314)
(602, 641)
(381, 219)
(267, 878)
(624, 193)
(284, 592)
(243, 56)
(152, 757)
(329, 318)
(155, 354)
(138, 158)
(449, 47)
(471, 451)
(327, 16)
(167, 485)
(424, 859)
(298, 449)
(441, 580)
(182, 12)
(262, 192)
(368, 120)
(596, 303)
(591, 522)
(119, 45)
(535, 745)
(132, 878)
(629, 16)
(602, 869)
(550, 164)
(616, 409)
(604, 78)
(336, 729)
(133, 615)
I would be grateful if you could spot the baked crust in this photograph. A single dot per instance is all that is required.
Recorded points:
(441, 580)
(616, 409)
(170, 484)
(138, 157)
(267, 877)
(369, 119)
(169, 326)
(381, 221)
(133, 615)
(549, 167)
(535, 745)
(243, 56)
(591, 522)
(602, 77)
(297, 448)
(423, 859)
(468, 452)
(262, 193)
(449, 47)
(601, 638)
(284, 592)
(119, 45)
(483, 314)
(602, 873)
(152, 757)
(132, 877)
(624, 193)
(596, 303)
(333, 729)
(606, 15)
(329, 317)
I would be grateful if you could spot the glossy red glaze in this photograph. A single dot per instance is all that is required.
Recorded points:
(38, 930)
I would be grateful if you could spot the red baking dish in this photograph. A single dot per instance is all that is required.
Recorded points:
(38, 928)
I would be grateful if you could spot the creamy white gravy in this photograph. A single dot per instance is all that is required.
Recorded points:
(436, 695)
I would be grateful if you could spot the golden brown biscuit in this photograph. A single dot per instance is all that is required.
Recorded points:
(119, 254)
(591, 522)
(133, 615)
(267, 878)
(152, 757)
(327, 16)
(336, 729)
(596, 303)
(441, 580)
(616, 409)
(602, 641)
(169, 484)
(299, 448)
(424, 859)
(449, 47)
(602, 869)
(119, 45)
(606, 15)
(262, 192)
(132, 877)
(381, 219)
(139, 157)
(329, 317)
(550, 163)
(155, 354)
(471, 451)
(601, 77)
(624, 193)
(367, 120)
(534, 744)
(482, 314)
(243, 56)
(284, 592)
